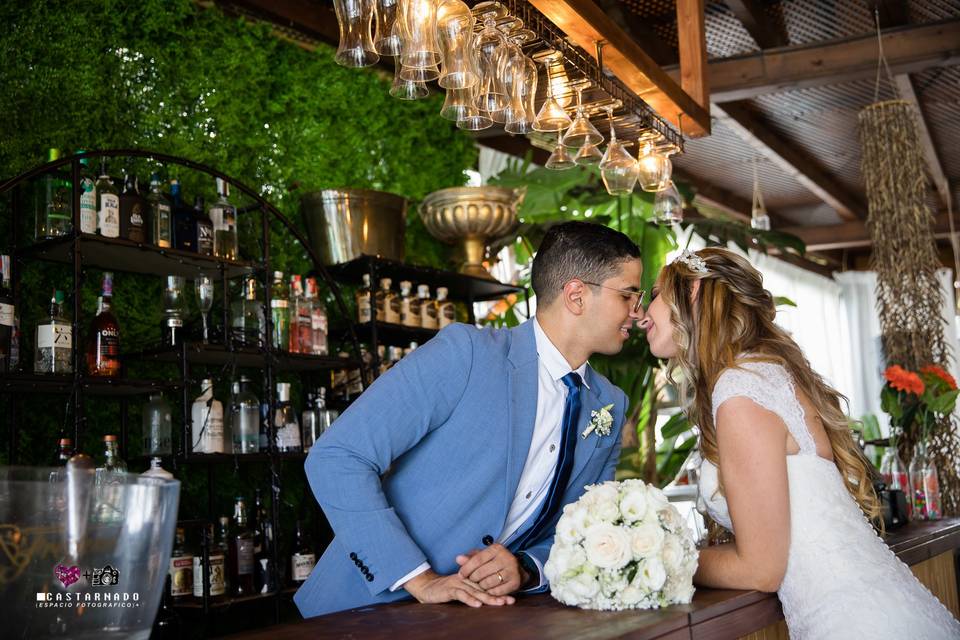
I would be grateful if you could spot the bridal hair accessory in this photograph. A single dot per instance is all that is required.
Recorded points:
(694, 262)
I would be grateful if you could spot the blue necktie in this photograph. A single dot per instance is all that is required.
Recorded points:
(568, 443)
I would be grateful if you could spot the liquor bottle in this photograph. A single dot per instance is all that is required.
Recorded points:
(88, 197)
(224, 217)
(133, 211)
(54, 340)
(246, 316)
(316, 417)
(207, 417)
(244, 417)
(285, 420)
(364, 310)
(216, 579)
(109, 481)
(15, 342)
(384, 364)
(428, 308)
(171, 328)
(408, 350)
(388, 305)
(301, 335)
(280, 312)
(204, 228)
(303, 558)
(181, 568)
(394, 354)
(166, 626)
(446, 313)
(407, 317)
(8, 314)
(416, 303)
(157, 426)
(223, 547)
(53, 202)
(242, 568)
(160, 215)
(103, 350)
(64, 451)
(108, 204)
(184, 224)
(266, 575)
(318, 319)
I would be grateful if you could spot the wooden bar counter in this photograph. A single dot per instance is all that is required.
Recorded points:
(928, 547)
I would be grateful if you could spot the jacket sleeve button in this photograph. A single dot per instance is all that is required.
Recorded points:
(369, 577)
(487, 540)
(353, 555)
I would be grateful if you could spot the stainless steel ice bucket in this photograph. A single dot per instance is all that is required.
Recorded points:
(344, 223)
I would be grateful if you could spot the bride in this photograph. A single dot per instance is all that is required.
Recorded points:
(781, 469)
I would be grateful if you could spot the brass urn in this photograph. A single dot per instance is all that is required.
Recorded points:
(473, 216)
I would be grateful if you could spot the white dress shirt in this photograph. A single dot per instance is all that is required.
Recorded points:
(544, 453)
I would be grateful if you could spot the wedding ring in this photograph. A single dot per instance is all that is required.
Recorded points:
(500, 576)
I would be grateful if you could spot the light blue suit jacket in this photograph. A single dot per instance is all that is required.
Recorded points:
(425, 464)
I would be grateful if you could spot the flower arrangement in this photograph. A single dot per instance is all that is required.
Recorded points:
(622, 545)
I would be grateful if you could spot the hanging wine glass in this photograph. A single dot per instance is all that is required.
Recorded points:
(455, 35)
(469, 117)
(557, 78)
(551, 117)
(418, 33)
(668, 205)
(487, 45)
(758, 212)
(387, 41)
(458, 104)
(355, 19)
(523, 112)
(582, 130)
(588, 155)
(655, 167)
(404, 89)
(617, 167)
(560, 159)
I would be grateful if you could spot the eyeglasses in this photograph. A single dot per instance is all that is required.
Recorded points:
(627, 292)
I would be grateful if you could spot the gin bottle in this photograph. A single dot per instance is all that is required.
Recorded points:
(160, 215)
(88, 197)
(54, 340)
(224, 217)
(246, 316)
(244, 418)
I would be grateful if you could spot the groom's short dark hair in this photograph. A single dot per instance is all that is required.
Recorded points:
(578, 250)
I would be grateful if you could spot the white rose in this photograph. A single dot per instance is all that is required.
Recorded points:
(657, 498)
(583, 587)
(671, 518)
(607, 546)
(565, 561)
(631, 595)
(651, 574)
(678, 591)
(672, 554)
(603, 503)
(568, 530)
(633, 505)
(646, 539)
(562, 593)
(612, 583)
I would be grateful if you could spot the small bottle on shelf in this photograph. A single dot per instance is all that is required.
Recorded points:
(388, 307)
(88, 197)
(64, 451)
(8, 315)
(53, 202)
(316, 418)
(280, 312)
(318, 319)
(303, 558)
(384, 364)
(108, 204)
(446, 313)
(108, 479)
(204, 226)
(133, 211)
(181, 568)
(246, 316)
(224, 217)
(408, 350)
(184, 224)
(428, 308)
(241, 552)
(207, 418)
(216, 579)
(394, 354)
(407, 317)
(265, 579)
(161, 215)
(364, 303)
(301, 333)
(103, 349)
(54, 340)
(285, 421)
(244, 417)
(157, 426)
(223, 548)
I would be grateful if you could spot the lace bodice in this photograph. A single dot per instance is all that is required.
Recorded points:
(842, 580)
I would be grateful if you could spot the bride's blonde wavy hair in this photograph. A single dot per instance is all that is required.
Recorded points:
(732, 315)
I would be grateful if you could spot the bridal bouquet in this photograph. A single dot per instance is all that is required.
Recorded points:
(622, 545)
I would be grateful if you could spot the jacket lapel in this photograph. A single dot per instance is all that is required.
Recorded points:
(592, 400)
(523, 406)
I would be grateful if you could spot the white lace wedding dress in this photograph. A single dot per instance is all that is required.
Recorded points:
(842, 581)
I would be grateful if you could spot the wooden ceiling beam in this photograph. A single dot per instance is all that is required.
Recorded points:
(853, 234)
(586, 24)
(930, 155)
(748, 128)
(908, 49)
(765, 31)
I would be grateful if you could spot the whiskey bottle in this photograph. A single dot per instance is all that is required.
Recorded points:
(103, 350)
(224, 217)
(133, 211)
(428, 308)
(207, 421)
(54, 340)
(204, 228)
(108, 204)
(280, 312)
(246, 316)
(285, 421)
(216, 578)
(160, 214)
(416, 303)
(446, 313)
(407, 317)
(364, 310)
(318, 319)
(8, 314)
(388, 306)
(241, 552)
(88, 197)
(184, 224)
(53, 202)
(303, 558)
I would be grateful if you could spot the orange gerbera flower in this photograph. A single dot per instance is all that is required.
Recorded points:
(934, 370)
(903, 380)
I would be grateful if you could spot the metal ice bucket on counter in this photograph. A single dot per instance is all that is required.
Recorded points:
(80, 558)
(342, 224)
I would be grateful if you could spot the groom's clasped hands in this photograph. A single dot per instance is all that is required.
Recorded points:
(486, 577)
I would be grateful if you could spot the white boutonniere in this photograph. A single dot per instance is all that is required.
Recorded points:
(601, 420)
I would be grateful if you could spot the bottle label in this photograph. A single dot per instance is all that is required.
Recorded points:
(88, 206)
(108, 218)
(217, 578)
(244, 556)
(301, 564)
(136, 216)
(447, 314)
(406, 316)
(393, 310)
(54, 336)
(181, 576)
(7, 313)
(204, 238)
(363, 307)
(207, 429)
(428, 315)
(163, 234)
(280, 303)
(318, 320)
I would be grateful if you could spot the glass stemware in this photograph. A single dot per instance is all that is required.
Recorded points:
(418, 32)
(617, 167)
(469, 118)
(582, 131)
(551, 117)
(487, 49)
(457, 105)
(404, 89)
(204, 286)
(455, 34)
(588, 155)
(560, 159)
(386, 40)
(355, 19)
(522, 111)
(655, 168)
(668, 205)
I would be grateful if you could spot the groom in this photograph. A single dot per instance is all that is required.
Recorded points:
(445, 479)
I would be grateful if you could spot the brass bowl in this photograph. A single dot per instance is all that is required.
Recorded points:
(473, 216)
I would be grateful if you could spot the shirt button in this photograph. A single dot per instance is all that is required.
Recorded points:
(553, 448)
(529, 493)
